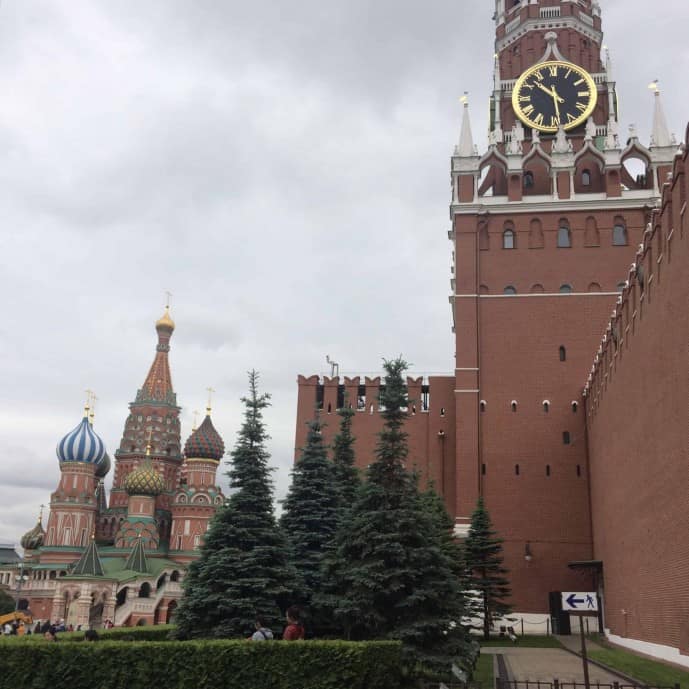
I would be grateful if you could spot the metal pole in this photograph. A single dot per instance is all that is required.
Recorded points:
(19, 586)
(584, 659)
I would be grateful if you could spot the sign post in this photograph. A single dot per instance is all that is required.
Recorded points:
(581, 605)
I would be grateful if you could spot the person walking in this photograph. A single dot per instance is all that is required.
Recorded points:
(262, 632)
(294, 631)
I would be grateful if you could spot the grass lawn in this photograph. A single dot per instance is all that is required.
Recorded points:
(525, 641)
(648, 671)
(483, 674)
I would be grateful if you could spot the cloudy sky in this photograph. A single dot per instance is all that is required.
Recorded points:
(281, 168)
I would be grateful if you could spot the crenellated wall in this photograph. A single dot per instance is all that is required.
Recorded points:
(637, 409)
(430, 423)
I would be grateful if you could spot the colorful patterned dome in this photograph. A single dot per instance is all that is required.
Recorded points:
(33, 540)
(104, 466)
(144, 481)
(81, 444)
(205, 442)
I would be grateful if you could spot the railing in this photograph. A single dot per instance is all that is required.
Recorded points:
(549, 12)
(556, 684)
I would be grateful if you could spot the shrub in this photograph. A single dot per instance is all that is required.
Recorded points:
(201, 664)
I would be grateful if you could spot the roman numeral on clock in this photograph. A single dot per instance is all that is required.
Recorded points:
(524, 99)
(584, 94)
(539, 119)
(553, 70)
(554, 121)
(528, 110)
(581, 107)
(571, 118)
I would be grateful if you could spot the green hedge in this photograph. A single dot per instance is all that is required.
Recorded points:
(201, 664)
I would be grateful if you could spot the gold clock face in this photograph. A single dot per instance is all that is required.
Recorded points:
(551, 94)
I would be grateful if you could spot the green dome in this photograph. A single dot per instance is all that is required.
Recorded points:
(144, 481)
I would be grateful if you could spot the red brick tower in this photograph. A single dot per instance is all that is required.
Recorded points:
(543, 227)
(153, 417)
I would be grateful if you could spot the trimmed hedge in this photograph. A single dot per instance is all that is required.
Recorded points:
(201, 664)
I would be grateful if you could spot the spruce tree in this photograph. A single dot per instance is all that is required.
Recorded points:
(309, 518)
(346, 474)
(389, 567)
(486, 577)
(243, 568)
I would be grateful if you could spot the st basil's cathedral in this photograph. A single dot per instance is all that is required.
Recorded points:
(124, 562)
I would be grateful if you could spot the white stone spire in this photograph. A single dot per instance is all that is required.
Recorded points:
(660, 137)
(466, 147)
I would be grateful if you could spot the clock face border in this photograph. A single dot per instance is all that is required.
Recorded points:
(593, 89)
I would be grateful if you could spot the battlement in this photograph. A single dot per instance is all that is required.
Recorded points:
(659, 268)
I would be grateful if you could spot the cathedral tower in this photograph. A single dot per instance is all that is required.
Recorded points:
(153, 418)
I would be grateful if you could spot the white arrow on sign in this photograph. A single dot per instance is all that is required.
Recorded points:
(576, 601)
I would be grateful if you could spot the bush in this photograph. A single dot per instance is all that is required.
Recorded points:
(201, 664)
(159, 632)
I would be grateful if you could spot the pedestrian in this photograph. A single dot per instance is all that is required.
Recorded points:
(51, 634)
(294, 631)
(91, 635)
(262, 632)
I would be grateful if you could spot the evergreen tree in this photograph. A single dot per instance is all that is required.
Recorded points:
(309, 518)
(389, 567)
(6, 603)
(486, 577)
(243, 568)
(347, 478)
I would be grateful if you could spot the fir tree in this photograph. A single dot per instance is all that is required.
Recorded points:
(486, 577)
(6, 603)
(390, 568)
(243, 568)
(309, 518)
(346, 474)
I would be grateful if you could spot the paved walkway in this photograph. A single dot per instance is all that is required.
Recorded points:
(546, 664)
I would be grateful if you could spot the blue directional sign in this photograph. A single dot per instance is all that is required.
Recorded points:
(576, 601)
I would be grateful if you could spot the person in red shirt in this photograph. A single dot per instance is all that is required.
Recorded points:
(294, 631)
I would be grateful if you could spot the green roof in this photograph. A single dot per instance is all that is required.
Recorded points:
(89, 563)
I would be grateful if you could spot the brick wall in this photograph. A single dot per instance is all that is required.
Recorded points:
(637, 401)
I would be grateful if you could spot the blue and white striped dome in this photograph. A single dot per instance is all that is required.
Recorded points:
(81, 445)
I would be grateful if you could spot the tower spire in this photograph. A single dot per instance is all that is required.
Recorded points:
(466, 148)
(660, 137)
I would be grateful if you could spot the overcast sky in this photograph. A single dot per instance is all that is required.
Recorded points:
(281, 168)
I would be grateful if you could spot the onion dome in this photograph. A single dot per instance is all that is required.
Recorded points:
(81, 444)
(165, 322)
(33, 540)
(103, 466)
(144, 481)
(205, 442)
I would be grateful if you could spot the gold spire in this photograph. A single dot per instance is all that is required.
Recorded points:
(148, 445)
(40, 515)
(210, 399)
(196, 420)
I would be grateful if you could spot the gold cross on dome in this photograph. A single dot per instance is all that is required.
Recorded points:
(168, 294)
(210, 399)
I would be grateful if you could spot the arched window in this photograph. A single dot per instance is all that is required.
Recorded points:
(563, 353)
(528, 179)
(547, 469)
(619, 233)
(566, 289)
(516, 469)
(586, 178)
(145, 590)
(482, 405)
(621, 286)
(513, 405)
(564, 238)
(546, 406)
(575, 406)
(509, 290)
(508, 239)
(537, 288)
(565, 437)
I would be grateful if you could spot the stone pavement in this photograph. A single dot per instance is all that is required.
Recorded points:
(546, 664)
